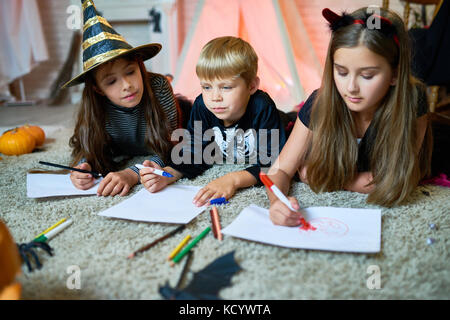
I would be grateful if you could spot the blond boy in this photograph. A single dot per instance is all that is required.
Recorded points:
(226, 124)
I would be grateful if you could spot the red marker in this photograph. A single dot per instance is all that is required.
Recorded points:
(269, 184)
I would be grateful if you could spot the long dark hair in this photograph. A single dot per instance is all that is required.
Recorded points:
(90, 139)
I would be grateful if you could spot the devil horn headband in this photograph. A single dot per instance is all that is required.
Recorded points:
(337, 21)
(330, 15)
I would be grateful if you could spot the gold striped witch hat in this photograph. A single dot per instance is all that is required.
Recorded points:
(101, 43)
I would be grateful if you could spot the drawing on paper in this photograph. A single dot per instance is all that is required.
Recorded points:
(328, 226)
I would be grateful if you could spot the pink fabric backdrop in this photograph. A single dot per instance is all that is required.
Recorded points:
(256, 22)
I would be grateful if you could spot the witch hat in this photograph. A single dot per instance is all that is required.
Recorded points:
(101, 43)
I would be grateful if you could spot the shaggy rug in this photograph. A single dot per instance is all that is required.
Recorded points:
(95, 247)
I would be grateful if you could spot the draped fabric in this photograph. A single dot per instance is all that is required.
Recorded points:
(431, 49)
(288, 66)
(22, 42)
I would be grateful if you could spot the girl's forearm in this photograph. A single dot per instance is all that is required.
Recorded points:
(282, 180)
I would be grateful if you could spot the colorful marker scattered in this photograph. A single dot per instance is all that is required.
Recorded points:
(52, 233)
(221, 200)
(214, 213)
(51, 228)
(150, 245)
(180, 256)
(179, 247)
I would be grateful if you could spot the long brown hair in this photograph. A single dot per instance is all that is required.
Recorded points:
(395, 163)
(90, 139)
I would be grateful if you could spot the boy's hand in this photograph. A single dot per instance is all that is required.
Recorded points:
(281, 215)
(81, 180)
(222, 187)
(119, 182)
(153, 182)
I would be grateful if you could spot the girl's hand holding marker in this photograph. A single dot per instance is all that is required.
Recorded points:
(153, 177)
(82, 180)
(291, 217)
(159, 172)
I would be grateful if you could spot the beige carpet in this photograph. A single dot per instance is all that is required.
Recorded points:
(98, 246)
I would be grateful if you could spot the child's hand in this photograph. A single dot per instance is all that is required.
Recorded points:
(81, 180)
(221, 187)
(119, 182)
(153, 182)
(360, 183)
(302, 174)
(281, 215)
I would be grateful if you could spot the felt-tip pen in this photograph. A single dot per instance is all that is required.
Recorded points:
(280, 195)
(270, 185)
(155, 171)
(49, 235)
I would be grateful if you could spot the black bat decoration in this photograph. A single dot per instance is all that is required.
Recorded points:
(28, 249)
(206, 283)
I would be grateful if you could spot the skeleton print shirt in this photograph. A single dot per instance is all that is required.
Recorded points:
(256, 139)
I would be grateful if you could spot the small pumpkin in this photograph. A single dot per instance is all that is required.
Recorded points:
(16, 142)
(10, 266)
(36, 132)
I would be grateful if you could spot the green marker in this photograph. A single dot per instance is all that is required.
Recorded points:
(49, 235)
(180, 256)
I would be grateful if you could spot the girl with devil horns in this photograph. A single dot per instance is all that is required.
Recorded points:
(365, 129)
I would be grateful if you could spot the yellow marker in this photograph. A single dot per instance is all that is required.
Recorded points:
(178, 248)
(52, 227)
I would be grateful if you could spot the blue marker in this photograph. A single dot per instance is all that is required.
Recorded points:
(218, 201)
(155, 171)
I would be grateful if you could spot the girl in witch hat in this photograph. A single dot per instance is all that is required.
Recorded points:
(365, 129)
(125, 111)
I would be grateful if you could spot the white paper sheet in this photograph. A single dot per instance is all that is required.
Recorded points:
(171, 205)
(337, 229)
(41, 185)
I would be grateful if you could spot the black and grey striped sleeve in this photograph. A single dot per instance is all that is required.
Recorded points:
(164, 93)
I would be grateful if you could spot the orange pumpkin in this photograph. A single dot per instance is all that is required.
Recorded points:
(10, 266)
(16, 142)
(36, 132)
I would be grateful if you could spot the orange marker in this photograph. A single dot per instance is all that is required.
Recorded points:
(216, 223)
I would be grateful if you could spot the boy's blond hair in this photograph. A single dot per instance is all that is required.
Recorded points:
(227, 57)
